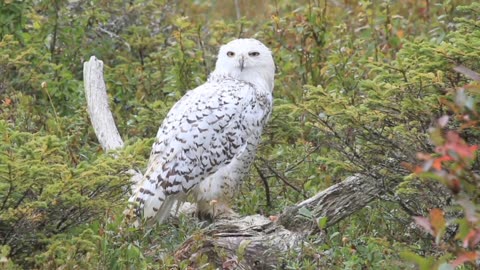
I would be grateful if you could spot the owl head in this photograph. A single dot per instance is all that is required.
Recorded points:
(248, 60)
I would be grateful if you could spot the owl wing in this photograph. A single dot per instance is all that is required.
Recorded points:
(204, 131)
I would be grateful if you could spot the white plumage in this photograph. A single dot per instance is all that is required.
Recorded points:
(207, 142)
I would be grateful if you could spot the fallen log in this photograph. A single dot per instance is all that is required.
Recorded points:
(258, 242)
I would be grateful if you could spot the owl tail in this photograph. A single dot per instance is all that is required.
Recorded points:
(152, 204)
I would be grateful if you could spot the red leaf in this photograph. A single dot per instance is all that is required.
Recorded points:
(473, 148)
(437, 163)
(424, 223)
(418, 169)
(463, 257)
(457, 145)
(441, 150)
(435, 224)
(437, 221)
(453, 136)
(472, 239)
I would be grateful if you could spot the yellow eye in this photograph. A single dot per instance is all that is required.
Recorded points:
(254, 53)
(230, 54)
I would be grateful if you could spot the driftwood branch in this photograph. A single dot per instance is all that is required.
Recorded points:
(251, 242)
(97, 104)
(99, 110)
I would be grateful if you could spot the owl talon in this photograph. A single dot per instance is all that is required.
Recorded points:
(214, 210)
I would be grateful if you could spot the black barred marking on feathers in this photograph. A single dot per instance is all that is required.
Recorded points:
(208, 140)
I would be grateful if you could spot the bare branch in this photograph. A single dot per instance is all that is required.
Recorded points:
(98, 108)
(265, 184)
(281, 177)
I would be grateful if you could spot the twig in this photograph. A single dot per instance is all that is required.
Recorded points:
(303, 159)
(113, 35)
(265, 184)
(282, 177)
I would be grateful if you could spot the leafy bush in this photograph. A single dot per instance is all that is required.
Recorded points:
(44, 193)
(358, 86)
(453, 164)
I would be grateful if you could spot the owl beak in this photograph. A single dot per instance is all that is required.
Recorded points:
(242, 63)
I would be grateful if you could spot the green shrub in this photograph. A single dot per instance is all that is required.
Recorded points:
(359, 84)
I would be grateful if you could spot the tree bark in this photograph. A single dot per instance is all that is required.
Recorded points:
(335, 203)
(257, 242)
(251, 242)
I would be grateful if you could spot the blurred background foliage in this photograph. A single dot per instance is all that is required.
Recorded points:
(359, 83)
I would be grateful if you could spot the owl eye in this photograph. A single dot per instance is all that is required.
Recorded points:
(254, 53)
(230, 54)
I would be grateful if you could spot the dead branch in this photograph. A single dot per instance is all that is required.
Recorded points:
(99, 110)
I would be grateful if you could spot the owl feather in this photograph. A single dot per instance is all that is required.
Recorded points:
(207, 142)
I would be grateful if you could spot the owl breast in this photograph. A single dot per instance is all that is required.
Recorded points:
(223, 184)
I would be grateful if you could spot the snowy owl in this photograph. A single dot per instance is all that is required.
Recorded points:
(207, 142)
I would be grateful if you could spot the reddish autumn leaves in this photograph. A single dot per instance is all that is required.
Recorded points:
(435, 223)
(454, 149)
(451, 164)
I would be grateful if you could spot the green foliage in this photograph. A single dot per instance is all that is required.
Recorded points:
(44, 192)
(114, 244)
(12, 19)
(358, 86)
